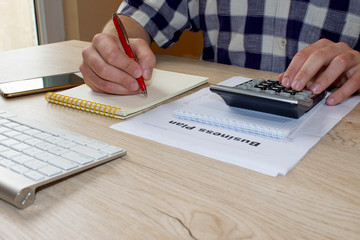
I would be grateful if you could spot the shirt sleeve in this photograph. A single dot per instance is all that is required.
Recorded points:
(163, 20)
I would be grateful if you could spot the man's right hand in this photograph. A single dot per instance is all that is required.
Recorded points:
(107, 69)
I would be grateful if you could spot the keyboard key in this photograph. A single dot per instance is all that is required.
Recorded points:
(66, 144)
(97, 145)
(3, 138)
(62, 163)
(45, 145)
(50, 171)
(7, 115)
(33, 141)
(22, 158)
(54, 139)
(57, 150)
(21, 146)
(35, 164)
(9, 142)
(42, 135)
(3, 148)
(32, 131)
(83, 140)
(6, 163)
(19, 169)
(22, 137)
(4, 130)
(34, 175)
(112, 150)
(88, 151)
(11, 124)
(32, 151)
(45, 155)
(21, 128)
(3, 121)
(11, 133)
(9, 153)
(78, 158)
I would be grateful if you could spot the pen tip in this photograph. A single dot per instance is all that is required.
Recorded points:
(145, 93)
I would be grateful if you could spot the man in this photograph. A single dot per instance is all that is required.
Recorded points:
(314, 40)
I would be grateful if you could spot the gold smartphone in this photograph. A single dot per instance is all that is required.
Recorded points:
(38, 85)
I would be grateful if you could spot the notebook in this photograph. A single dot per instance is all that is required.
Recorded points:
(212, 110)
(162, 86)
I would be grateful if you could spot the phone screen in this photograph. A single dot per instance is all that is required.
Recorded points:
(42, 84)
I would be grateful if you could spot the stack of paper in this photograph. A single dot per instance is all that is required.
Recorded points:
(263, 154)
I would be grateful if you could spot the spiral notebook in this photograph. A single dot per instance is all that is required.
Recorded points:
(162, 86)
(210, 109)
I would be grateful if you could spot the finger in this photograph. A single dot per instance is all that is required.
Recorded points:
(98, 84)
(334, 71)
(351, 86)
(280, 77)
(300, 59)
(316, 62)
(110, 49)
(145, 56)
(297, 62)
(104, 71)
(87, 74)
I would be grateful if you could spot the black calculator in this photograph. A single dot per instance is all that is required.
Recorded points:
(268, 96)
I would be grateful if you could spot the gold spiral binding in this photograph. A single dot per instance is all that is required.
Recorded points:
(81, 104)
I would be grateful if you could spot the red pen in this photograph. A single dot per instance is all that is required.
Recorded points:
(126, 45)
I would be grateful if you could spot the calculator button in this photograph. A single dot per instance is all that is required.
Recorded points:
(300, 97)
(244, 86)
(250, 84)
(272, 81)
(279, 86)
(261, 87)
(276, 89)
(285, 94)
(258, 80)
(307, 92)
(292, 92)
(255, 89)
(265, 84)
(268, 91)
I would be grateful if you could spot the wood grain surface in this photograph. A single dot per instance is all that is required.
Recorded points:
(161, 192)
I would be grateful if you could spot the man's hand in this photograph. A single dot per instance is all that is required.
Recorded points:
(106, 68)
(325, 63)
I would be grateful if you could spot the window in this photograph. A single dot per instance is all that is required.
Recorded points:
(17, 24)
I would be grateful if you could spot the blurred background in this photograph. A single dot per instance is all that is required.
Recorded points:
(25, 23)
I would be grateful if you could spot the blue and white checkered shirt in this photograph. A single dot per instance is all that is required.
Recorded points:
(259, 34)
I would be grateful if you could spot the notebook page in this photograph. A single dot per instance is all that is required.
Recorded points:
(162, 86)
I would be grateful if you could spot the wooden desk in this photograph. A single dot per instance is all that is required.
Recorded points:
(160, 192)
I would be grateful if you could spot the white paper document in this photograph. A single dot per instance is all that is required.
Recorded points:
(210, 109)
(255, 152)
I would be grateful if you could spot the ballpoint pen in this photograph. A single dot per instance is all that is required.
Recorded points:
(126, 45)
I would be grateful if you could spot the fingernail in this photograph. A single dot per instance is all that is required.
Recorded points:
(296, 85)
(286, 82)
(134, 86)
(137, 73)
(316, 88)
(330, 101)
(147, 74)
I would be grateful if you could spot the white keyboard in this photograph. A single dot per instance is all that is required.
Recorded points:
(32, 156)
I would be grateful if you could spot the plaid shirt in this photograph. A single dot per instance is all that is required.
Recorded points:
(259, 34)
